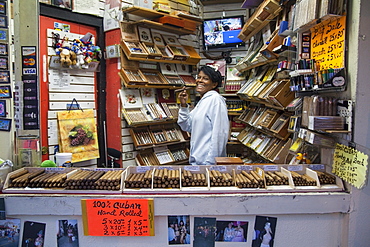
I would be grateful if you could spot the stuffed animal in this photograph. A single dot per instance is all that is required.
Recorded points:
(65, 57)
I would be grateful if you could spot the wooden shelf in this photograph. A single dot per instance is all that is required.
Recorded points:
(265, 13)
(163, 27)
(252, 66)
(160, 145)
(149, 85)
(153, 14)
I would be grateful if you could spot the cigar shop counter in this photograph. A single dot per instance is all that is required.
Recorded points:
(174, 179)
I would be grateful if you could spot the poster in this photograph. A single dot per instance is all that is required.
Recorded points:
(78, 134)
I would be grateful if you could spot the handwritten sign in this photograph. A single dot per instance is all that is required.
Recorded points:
(350, 165)
(125, 217)
(327, 42)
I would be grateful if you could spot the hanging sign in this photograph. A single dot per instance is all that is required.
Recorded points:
(327, 43)
(350, 165)
(120, 217)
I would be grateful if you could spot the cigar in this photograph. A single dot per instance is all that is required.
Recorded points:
(182, 89)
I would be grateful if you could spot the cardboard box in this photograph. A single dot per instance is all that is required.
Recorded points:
(159, 42)
(146, 40)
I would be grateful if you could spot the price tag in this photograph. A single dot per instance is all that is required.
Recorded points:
(218, 168)
(244, 168)
(295, 168)
(270, 168)
(142, 169)
(316, 167)
(121, 217)
(192, 168)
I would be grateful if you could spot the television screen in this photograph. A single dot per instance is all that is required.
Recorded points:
(222, 32)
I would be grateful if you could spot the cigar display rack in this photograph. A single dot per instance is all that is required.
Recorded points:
(174, 179)
(133, 76)
(177, 52)
(174, 80)
(62, 180)
(141, 136)
(171, 109)
(154, 77)
(147, 158)
(155, 111)
(136, 116)
(189, 80)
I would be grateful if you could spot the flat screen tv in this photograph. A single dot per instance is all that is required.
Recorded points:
(222, 32)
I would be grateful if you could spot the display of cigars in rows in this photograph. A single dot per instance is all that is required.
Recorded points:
(151, 112)
(65, 179)
(162, 155)
(230, 177)
(157, 134)
(175, 178)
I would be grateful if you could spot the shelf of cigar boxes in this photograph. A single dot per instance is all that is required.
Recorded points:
(65, 180)
(260, 18)
(324, 114)
(145, 44)
(179, 22)
(163, 155)
(157, 135)
(243, 178)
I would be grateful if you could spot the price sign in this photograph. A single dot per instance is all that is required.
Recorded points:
(350, 165)
(327, 42)
(125, 217)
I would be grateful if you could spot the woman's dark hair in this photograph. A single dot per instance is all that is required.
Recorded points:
(214, 75)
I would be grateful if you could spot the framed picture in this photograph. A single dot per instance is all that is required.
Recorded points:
(2, 8)
(3, 50)
(4, 63)
(2, 108)
(5, 92)
(4, 76)
(3, 34)
(5, 124)
(3, 21)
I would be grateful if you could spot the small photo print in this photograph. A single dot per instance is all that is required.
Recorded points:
(33, 234)
(4, 62)
(2, 114)
(67, 233)
(3, 8)
(62, 3)
(4, 76)
(3, 49)
(179, 229)
(9, 232)
(232, 231)
(264, 231)
(204, 232)
(3, 34)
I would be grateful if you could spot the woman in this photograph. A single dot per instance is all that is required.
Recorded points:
(182, 232)
(39, 241)
(229, 233)
(266, 235)
(208, 122)
(239, 234)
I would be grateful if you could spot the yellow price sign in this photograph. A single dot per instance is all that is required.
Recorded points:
(327, 43)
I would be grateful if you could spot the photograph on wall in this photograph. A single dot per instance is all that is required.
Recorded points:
(231, 231)
(4, 76)
(4, 63)
(179, 229)
(204, 232)
(264, 231)
(5, 92)
(4, 49)
(78, 134)
(3, 21)
(3, 35)
(67, 233)
(2, 108)
(2, 8)
(5, 124)
(10, 232)
(62, 3)
(33, 234)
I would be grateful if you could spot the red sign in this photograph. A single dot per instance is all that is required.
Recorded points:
(121, 217)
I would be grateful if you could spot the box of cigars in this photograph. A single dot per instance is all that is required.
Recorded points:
(64, 180)
(130, 42)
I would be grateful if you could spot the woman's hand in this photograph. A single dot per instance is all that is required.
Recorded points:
(183, 97)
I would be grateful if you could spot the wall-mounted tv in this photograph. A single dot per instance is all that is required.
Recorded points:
(222, 32)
